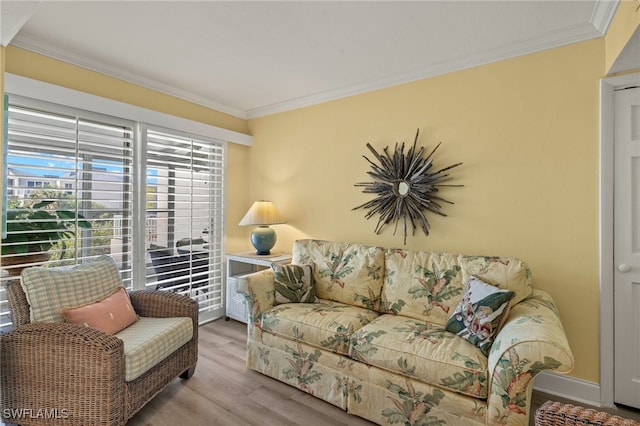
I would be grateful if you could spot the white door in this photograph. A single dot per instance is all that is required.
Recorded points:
(627, 247)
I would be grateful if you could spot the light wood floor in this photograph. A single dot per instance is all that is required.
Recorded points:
(224, 392)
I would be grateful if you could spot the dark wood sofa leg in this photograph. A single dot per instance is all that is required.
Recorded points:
(188, 373)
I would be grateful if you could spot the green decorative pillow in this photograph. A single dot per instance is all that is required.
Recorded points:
(294, 284)
(480, 314)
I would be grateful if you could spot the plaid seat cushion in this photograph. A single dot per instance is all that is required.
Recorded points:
(48, 290)
(150, 340)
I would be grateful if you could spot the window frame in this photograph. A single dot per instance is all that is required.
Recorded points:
(81, 118)
(42, 95)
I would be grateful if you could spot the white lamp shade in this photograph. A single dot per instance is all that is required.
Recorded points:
(262, 213)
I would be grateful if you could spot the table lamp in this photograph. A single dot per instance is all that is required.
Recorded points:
(263, 213)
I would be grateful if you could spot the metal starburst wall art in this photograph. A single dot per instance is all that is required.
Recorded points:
(405, 187)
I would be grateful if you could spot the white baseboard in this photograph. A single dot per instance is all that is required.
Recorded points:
(568, 387)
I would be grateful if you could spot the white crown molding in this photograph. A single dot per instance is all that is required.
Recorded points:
(603, 13)
(25, 42)
(550, 40)
(601, 17)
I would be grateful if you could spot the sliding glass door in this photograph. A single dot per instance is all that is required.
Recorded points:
(184, 216)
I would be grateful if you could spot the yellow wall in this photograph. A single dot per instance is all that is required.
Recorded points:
(237, 197)
(625, 22)
(38, 67)
(527, 132)
(42, 68)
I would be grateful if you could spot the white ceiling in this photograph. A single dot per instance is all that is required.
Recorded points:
(251, 58)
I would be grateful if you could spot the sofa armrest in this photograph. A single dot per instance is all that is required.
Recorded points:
(74, 372)
(258, 289)
(531, 341)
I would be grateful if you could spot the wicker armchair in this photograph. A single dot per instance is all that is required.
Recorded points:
(560, 414)
(68, 374)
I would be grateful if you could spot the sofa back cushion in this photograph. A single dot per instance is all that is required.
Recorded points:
(429, 286)
(343, 272)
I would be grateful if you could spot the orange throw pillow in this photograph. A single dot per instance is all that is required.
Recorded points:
(110, 315)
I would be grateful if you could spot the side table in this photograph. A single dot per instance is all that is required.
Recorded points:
(238, 265)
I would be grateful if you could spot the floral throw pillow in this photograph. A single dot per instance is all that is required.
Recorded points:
(480, 314)
(294, 284)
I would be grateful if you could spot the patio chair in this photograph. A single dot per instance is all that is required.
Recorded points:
(195, 252)
(172, 271)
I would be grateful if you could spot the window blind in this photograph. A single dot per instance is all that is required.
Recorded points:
(184, 218)
(84, 166)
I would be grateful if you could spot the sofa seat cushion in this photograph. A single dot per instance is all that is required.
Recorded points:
(326, 324)
(424, 351)
(150, 340)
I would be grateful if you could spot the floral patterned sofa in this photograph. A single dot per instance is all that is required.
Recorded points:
(375, 341)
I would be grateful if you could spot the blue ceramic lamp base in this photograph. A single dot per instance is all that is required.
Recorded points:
(263, 239)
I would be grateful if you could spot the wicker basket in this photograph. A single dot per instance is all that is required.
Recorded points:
(556, 413)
